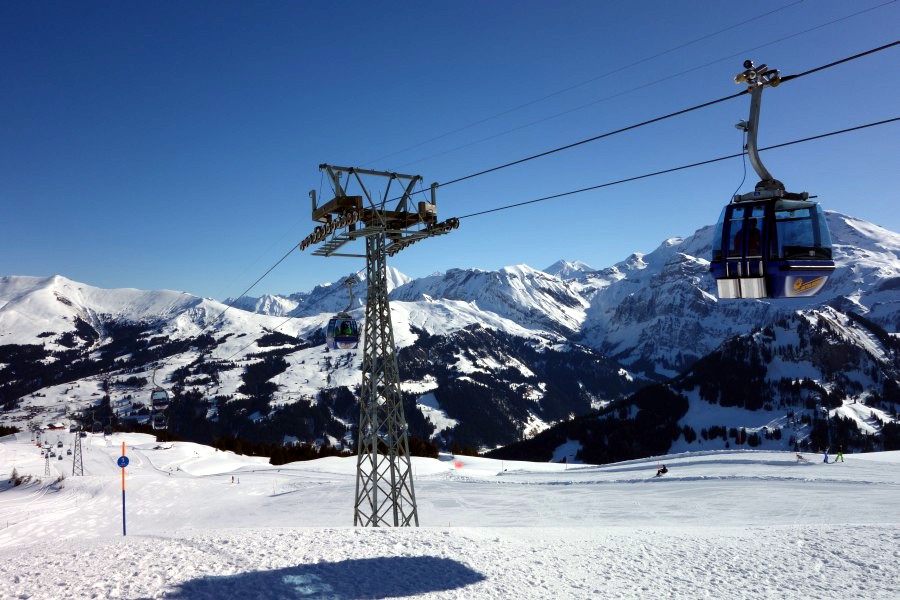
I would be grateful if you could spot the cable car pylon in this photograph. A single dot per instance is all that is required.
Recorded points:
(77, 460)
(385, 495)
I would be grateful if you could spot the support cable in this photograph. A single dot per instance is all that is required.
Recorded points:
(280, 325)
(594, 138)
(674, 169)
(654, 120)
(254, 284)
(612, 183)
(662, 118)
(187, 344)
(787, 78)
(742, 53)
(585, 82)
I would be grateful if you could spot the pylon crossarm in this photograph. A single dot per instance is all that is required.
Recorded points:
(405, 241)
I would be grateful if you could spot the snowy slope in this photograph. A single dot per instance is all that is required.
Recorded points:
(30, 306)
(313, 368)
(720, 524)
(529, 297)
(267, 304)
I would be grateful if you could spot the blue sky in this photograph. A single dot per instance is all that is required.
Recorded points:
(173, 144)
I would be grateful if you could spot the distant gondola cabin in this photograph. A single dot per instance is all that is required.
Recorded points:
(342, 332)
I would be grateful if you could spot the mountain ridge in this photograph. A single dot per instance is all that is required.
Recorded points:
(650, 317)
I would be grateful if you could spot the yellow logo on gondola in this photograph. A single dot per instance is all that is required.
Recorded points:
(801, 286)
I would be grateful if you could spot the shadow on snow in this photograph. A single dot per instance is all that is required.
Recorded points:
(348, 579)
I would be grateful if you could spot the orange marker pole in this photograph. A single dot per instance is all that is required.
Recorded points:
(123, 462)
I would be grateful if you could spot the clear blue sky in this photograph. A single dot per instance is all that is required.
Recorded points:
(173, 144)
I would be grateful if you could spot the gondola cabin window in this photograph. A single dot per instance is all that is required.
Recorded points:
(802, 233)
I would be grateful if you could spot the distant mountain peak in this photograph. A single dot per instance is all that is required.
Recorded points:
(565, 269)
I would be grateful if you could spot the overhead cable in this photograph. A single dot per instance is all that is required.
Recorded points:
(787, 78)
(621, 181)
(674, 169)
(253, 285)
(593, 139)
(585, 82)
(230, 305)
(661, 118)
(742, 53)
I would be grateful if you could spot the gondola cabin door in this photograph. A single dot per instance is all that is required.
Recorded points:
(741, 244)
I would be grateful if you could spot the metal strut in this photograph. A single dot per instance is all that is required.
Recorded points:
(384, 485)
(350, 282)
(756, 79)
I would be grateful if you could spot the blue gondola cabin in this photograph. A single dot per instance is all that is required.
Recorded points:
(342, 333)
(773, 248)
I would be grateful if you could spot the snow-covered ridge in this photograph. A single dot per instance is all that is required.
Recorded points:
(529, 297)
(30, 306)
(267, 304)
(327, 297)
(568, 270)
(657, 308)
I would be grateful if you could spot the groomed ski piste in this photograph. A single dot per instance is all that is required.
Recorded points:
(208, 524)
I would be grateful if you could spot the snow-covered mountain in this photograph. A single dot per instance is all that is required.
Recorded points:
(659, 312)
(33, 307)
(524, 295)
(568, 270)
(504, 337)
(267, 304)
(75, 346)
(324, 298)
(811, 380)
(655, 312)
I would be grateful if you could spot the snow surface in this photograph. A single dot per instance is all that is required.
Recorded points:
(432, 410)
(719, 524)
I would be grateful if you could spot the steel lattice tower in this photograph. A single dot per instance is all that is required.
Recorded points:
(384, 484)
(47, 464)
(77, 462)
